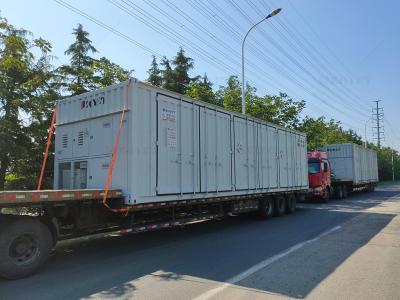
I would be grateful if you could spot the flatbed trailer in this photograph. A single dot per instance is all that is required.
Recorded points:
(32, 222)
(133, 157)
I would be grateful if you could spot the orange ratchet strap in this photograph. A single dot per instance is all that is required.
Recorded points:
(114, 155)
(53, 120)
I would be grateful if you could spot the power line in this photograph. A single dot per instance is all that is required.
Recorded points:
(334, 55)
(261, 58)
(232, 21)
(322, 65)
(327, 90)
(107, 27)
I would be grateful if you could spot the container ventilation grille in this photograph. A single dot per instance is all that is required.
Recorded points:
(80, 138)
(64, 141)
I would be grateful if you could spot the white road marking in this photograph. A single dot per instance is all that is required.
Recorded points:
(261, 265)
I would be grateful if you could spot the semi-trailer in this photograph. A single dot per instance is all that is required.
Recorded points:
(133, 157)
(337, 169)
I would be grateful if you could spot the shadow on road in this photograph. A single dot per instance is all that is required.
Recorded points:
(212, 251)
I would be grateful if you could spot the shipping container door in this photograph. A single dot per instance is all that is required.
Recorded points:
(101, 136)
(120, 174)
(64, 138)
(80, 140)
(224, 153)
(272, 156)
(241, 154)
(177, 146)
(298, 153)
(263, 156)
(215, 145)
(252, 145)
(98, 172)
(283, 158)
(189, 147)
(245, 153)
(208, 142)
(291, 158)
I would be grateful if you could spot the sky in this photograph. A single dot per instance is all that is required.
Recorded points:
(339, 56)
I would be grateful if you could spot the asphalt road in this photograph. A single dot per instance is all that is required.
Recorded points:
(347, 249)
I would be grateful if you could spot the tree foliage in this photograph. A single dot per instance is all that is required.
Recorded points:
(106, 73)
(154, 73)
(279, 109)
(320, 132)
(182, 66)
(201, 89)
(79, 73)
(27, 93)
(167, 74)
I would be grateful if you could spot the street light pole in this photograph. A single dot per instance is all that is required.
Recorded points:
(275, 12)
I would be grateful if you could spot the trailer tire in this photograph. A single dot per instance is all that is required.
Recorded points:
(25, 244)
(266, 208)
(371, 187)
(280, 206)
(327, 195)
(291, 204)
(345, 191)
(339, 192)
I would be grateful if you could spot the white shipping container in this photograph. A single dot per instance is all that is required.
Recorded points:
(351, 162)
(172, 147)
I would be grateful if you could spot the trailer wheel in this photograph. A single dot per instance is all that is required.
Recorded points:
(266, 208)
(291, 204)
(25, 244)
(339, 192)
(280, 206)
(345, 191)
(371, 187)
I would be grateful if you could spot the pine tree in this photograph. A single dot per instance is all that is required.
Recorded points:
(183, 65)
(154, 73)
(168, 78)
(80, 71)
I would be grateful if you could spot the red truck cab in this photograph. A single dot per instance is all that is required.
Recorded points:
(319, 175)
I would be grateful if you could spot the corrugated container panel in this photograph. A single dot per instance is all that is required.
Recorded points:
(172, 147)
(91, 104)
(351, 162)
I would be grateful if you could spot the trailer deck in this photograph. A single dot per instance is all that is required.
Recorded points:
(11, 198)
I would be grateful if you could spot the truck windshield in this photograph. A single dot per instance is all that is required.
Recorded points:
(313, 167)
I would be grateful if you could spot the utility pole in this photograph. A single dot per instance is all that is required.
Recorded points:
(377, 115)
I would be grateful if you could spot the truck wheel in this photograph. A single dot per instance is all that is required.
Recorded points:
(25, 244)
(339, 192)
(280, 206)
(327, 196)
(345, 192)
(266, 208)
(291, 204)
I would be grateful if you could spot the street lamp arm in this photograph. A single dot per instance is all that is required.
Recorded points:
(273, 13)
(245, 37)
